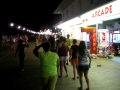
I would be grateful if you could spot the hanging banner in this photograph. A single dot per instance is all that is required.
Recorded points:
(93, 39)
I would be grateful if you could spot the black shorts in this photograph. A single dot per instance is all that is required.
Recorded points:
(83, 67)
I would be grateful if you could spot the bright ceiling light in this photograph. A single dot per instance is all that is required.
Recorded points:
(24, 29)
(11, 24)
(19, 27)
(27, 30)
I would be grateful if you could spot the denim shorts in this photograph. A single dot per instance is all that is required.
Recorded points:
(83, 67)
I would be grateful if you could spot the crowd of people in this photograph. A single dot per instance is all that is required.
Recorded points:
(10, 41)
(58, 52)
(54, 59)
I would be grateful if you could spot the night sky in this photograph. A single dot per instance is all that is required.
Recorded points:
(33, 14)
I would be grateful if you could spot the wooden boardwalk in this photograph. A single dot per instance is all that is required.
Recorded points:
(106, 77)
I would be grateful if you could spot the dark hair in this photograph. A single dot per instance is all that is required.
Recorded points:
(82, 48)
(20, 41)
(62, 39)
(74, 41)
(46, 46)
(68, 35)
(51, 40)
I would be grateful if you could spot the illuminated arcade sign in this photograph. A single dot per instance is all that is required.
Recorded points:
(102, 11)
(110, 10)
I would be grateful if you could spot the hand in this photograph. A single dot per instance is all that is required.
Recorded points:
(90, 65)
(70, 58)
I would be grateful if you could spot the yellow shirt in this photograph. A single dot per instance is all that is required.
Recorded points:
(69, 42)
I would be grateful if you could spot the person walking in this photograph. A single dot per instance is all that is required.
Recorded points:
(69, 44)
(53, 44)
(49, 63)
(62, 50)
(21, 54)
(74, 61)
(84, 64)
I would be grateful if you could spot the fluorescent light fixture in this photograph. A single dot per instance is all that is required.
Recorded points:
(71, 22)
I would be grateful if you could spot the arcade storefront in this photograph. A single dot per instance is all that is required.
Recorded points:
(114, 34)
(100, 27)
(103, 26)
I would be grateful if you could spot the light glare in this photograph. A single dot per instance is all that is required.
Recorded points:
(11, 24)
(24, 28)
(19, 27)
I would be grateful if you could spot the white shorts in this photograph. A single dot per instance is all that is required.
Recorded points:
(63, 58)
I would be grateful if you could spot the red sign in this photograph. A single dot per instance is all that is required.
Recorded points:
(93, 49)
(93, 38)
(102, 12)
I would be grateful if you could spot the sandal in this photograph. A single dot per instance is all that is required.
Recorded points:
(66, 75)
(80, 88)
(73, 78)
(87, 89)
(60, 76)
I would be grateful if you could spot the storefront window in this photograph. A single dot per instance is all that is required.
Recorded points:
(115, 37)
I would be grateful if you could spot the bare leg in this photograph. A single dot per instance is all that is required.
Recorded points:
(61, 68)
(74, 72)
(65, 67)
(86, 78)
(67, 60)
(81, 79)
(77, 73)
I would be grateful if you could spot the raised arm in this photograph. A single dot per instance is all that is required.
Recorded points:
(35, 50)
